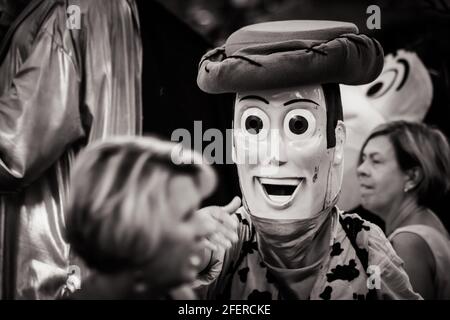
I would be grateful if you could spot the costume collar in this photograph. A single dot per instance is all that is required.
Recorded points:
(289, 243)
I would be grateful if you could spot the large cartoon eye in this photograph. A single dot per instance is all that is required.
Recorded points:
(255, 122)
(383, 84)
(299, 124)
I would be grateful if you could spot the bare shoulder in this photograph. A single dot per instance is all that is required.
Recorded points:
(412, 248)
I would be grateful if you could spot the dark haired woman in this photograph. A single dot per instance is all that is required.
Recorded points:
(404, 168)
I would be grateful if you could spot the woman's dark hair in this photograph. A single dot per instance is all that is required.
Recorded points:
(417, 145)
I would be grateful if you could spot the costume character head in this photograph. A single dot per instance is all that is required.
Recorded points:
(288, 130)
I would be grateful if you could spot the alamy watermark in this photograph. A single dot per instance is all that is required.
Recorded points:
(374, 277)
(251, 148)
(73, 21)
(73, 281)
(374, 20)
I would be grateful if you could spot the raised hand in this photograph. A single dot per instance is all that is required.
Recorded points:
(221, 224)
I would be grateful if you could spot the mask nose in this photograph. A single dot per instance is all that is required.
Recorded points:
(278, 154)
(277, 161)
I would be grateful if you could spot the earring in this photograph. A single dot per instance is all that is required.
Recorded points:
(406, 189)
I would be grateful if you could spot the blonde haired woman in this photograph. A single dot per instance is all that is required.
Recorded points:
(133, 218)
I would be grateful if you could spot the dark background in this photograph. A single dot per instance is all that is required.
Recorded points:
(172, 100)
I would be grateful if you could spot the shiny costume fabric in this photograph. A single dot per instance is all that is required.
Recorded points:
(59, 90)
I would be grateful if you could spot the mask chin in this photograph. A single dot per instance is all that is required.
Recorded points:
(290, 198)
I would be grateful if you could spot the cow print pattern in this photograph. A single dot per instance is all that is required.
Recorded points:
(326, 294)
(250, 278)
(344, 272)
(336, 249)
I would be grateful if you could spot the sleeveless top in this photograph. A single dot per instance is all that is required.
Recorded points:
(439, 245)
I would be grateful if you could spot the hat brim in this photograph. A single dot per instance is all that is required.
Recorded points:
(350, 59)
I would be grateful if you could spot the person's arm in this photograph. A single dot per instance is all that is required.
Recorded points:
(39, 114)
(418, 262)
(387, 274)
(221, 228)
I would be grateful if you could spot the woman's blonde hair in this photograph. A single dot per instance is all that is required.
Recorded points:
(119, 196)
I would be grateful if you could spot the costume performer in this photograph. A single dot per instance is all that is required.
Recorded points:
(294, 243)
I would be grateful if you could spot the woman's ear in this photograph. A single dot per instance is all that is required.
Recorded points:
(341, 137)
(413, 178)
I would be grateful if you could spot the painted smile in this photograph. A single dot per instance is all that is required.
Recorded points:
(280, 191)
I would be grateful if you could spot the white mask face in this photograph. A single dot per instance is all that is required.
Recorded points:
(280, 146)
